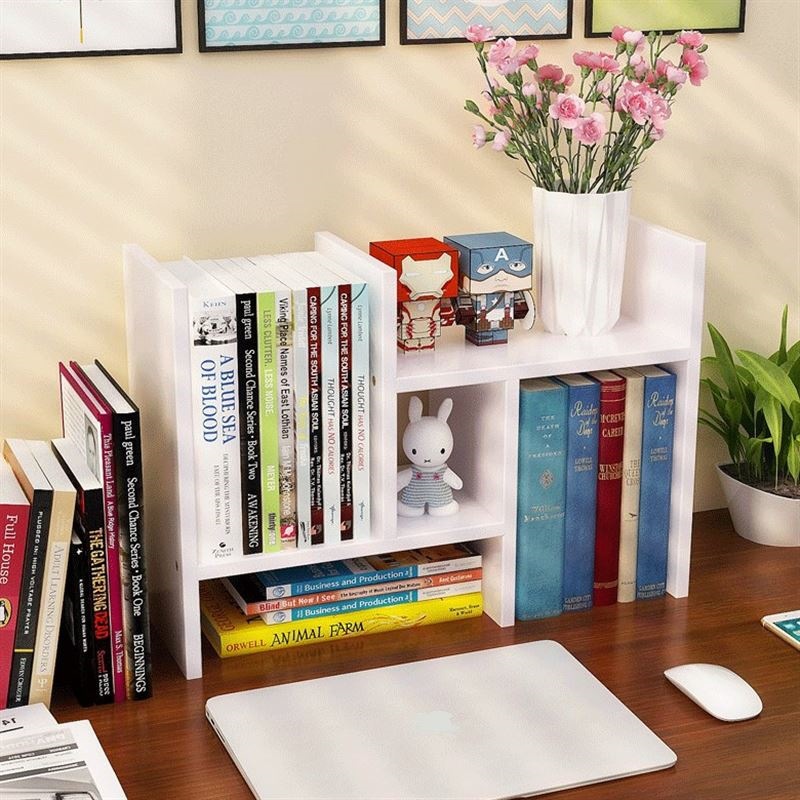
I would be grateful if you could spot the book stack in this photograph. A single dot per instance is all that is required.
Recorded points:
(270, 610)
(279, 362)
(106, 630)
(595, 467)
(37, 504)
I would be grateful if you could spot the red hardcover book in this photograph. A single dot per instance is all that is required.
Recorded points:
(88, 423)
(14, 514)
(609, 486)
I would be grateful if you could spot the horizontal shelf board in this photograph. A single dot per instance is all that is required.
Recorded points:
(456, 362)
(471, 523)
(408, 540)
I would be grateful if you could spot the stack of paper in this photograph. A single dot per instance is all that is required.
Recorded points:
(40, 758)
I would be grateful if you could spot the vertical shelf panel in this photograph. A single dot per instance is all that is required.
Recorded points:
(157, 314)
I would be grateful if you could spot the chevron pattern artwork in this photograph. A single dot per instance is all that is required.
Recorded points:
(446, 20)
(242, 24)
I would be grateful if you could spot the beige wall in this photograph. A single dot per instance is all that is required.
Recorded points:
(237, 153)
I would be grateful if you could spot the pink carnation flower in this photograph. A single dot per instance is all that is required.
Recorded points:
(695, 65)
(567, 109)
(597, 61)
(501, 141)
(478, 137)
(532, 90)
(639, 66)
(527, 54)
(636, 99)
(501, 56)
(550, 72)
(479, 33)
(693, 39)
(666, 69)
(623, 35)
(590, 130)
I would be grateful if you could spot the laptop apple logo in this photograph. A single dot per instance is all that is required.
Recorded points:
(435, 722)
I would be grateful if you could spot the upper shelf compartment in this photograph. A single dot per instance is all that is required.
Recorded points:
(663, 279)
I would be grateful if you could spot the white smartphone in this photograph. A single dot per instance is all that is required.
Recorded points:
(785, 625)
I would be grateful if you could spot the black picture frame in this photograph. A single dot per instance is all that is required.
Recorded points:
(404, 39)
(178, 47)
(205, 47)
(590, 33)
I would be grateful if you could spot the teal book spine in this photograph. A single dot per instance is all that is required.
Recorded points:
(658, 429)
(541, 495)
(583, 408)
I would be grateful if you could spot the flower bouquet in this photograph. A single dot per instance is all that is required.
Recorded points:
(582, 136)
(591, 137)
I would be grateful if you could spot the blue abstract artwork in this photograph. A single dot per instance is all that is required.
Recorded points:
(428, 21)
(261, 24)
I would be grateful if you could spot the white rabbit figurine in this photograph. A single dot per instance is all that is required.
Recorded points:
(427, 443)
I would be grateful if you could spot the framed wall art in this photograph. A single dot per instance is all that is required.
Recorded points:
(57, 28)
(227, 25)
(440, 22)
(709, 16)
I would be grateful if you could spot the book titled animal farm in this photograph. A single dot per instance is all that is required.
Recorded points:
(231, 633)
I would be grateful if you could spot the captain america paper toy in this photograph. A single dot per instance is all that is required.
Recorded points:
(495, 282)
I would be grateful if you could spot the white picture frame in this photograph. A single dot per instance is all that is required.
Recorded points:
(61, 28)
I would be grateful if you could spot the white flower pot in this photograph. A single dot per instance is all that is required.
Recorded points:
(579, 252)
(760, 516)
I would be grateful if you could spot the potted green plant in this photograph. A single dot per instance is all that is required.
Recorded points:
(756, 412)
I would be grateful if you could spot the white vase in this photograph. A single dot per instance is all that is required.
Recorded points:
(761, 516)
(579, 253)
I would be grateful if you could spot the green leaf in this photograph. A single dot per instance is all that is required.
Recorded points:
(770, 377)
(794, 416)
(773, 415)
(793, 372)
(793, 459)
(793, 353)
(726, 365)
(782, 345)
(471, 107)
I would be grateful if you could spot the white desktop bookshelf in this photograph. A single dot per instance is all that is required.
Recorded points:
(661, 323)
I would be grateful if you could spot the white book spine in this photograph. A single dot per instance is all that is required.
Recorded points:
(331, 486)
(359, 398)
(631, 479)
(302, 447)
(215, 414)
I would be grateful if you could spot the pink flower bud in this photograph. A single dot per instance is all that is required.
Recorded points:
(501, 141)
(478, 137)
(479, 33)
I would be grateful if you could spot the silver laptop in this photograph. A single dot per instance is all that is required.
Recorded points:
(501, 723)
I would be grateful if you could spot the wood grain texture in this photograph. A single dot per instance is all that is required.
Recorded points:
(164, 748)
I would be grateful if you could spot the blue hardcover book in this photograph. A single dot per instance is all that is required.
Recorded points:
(658, 428)
(541, 493)
(583, 408)
(367, 570)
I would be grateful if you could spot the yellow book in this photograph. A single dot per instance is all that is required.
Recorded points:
(231, 633)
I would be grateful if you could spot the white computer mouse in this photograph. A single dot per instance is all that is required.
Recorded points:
(717, 690)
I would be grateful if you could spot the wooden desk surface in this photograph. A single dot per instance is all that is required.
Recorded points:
(164, 748)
